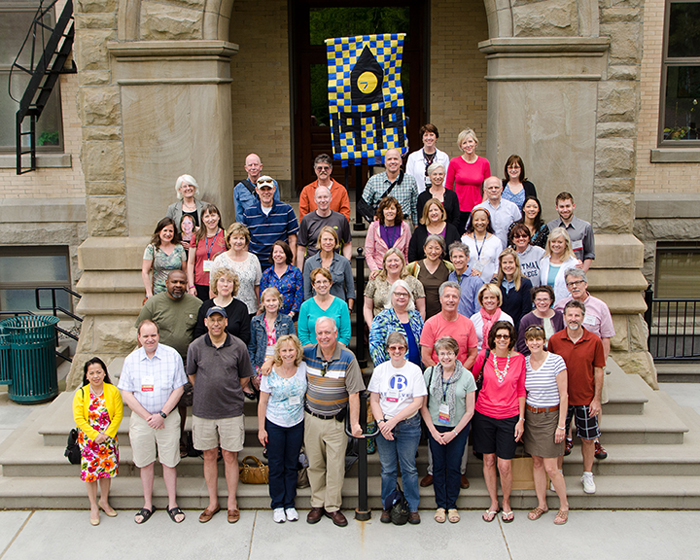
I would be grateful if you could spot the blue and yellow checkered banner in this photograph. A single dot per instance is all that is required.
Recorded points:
(365, 99)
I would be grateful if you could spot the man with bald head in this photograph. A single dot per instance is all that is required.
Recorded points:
(340, 202)
(334, 382)
(393, 182)
(312, 223)
(244, 194)
(503, 212)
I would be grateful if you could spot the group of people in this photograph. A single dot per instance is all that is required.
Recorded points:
(262, 310)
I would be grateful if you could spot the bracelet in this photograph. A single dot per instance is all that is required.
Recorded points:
(521, 420)
(561, 427)
(380, 421)
(455, 431)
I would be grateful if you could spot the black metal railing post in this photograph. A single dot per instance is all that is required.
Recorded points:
(359, 224)
(360, 350)
(648, 314)
(362, 511)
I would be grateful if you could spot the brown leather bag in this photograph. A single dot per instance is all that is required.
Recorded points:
(258, 473)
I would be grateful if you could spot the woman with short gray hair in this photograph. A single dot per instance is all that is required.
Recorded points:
(432, 271)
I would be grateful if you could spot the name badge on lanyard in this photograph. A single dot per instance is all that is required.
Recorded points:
(444, 413)
(206, 267)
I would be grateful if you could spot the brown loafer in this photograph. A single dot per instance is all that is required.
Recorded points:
(207, 514)
(314, 515)
(386, 516)
(464, 482)
(426, 481)
(337, 517)
(233, 515)
(414, 518)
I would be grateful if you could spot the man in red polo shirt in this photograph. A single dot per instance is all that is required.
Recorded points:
(584, 356)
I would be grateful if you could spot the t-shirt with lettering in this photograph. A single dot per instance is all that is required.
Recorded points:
(397, 387)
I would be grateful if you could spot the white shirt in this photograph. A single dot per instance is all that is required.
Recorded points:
(501, 217)
(397, 387)
(152, 380)
(485, 252)
(415, 165)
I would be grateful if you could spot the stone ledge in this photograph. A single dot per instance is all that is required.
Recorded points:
(664, 206)
(611, 280)
(675, 155)
(110, 282)
(621, 303)
(545, 45)
(9, 161)
(112, 253)
(618, 251)
(42, 210)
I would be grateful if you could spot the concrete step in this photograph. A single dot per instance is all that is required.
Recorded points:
(678, 372)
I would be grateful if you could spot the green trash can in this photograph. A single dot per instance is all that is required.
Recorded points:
(5, 378)
(32, 358)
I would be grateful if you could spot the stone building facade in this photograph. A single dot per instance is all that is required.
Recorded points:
(191, 86)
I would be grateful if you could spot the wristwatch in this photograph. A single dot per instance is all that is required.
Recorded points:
(163, 414)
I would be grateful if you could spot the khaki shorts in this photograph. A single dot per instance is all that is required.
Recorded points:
(146, 440)
(227, 432)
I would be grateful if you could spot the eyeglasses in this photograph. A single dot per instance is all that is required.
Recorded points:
(397, 348)
(400, 295)
(521, 236)
(446, 354)
(513, 167)
(323, 168)
(574, 283)
(502, 337)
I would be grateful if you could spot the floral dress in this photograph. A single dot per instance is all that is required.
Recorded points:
(163, 264)
(99, 460)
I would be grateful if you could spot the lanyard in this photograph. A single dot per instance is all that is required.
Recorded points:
(213, 242)
(476, 244)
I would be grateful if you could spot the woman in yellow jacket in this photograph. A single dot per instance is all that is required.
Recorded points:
(98, 411)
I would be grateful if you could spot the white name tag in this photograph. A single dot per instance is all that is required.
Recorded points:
(479, 266)
(589, 320)
(392, 396)
(577, 245)
(207, 266)
(147, 384)
(294, 400)
(444, 413)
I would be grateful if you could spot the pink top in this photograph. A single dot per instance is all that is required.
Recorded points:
(499, 399)
(466, 180)
(375, 247)
(462, 330)
(208, 248)
(597, 320)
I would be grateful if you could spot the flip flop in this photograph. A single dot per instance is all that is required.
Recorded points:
(145, 515)
(172, 512)
(507, 517)
(489, 515)
(536, 513)
(561, 518)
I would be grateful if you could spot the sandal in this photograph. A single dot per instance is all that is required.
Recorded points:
(440, 515)
(453, 515)
(172, 512)
(562, 517)
(507, 517)
(536, 513)
(145, 515)
(489, 515)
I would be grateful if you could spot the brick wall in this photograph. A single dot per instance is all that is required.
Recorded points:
(457, 71)
(657, 177)
(54, 182)
(260, 90)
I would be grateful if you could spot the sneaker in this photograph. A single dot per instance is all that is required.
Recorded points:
(600, 452)
(568, 447)
(291, 514)
(588, 484)
(551, 484)
(278, 515)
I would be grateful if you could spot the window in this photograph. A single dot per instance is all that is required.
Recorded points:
(680, 80)
(677, 266)
(15, 22)
(22, 269)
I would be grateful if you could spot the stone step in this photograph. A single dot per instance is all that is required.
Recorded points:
(678, 372)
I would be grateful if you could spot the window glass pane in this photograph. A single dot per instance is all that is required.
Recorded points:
(33, 269)
(327, 23)
(682, 98)
(684, 29)
(677, 273)
(24, 300)
(319, 94)
(14, 27)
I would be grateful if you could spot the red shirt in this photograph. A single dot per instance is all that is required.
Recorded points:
(207, 249)
(499, 399)
(581, 358)
(462, 330)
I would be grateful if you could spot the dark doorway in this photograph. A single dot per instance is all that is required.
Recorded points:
(314, 21)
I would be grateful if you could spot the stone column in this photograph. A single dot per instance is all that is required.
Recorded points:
(167, 111)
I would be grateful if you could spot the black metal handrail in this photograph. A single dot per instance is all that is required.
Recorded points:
(55, 308)
(674, 328)
(360, 348)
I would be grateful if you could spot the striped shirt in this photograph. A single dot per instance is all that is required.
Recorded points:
(329, 383)
(265, 229)
(152, 380)
(541, 384)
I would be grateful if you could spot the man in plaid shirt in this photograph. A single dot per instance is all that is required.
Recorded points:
(405, 191)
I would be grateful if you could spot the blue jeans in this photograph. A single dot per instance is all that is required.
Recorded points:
(403, 448)
(447, 462)
(283, 445)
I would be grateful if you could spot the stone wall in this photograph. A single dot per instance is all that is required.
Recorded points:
(457, 72)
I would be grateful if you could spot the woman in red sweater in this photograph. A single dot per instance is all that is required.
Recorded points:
(499, 420)
(466, 175)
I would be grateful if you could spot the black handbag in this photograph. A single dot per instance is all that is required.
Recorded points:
(72, 448)
(397, 506)
(480, 377)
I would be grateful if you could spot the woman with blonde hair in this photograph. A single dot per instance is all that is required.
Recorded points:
(466, 175)
(515, 288)
(490, 299)
(281, 424)
(558, 258)
(328, 258)
(223, 283)
(245, 263)
(377, 289)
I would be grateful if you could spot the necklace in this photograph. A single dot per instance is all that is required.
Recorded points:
(501, 375)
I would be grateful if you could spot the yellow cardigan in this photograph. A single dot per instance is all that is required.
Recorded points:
(81, 410)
